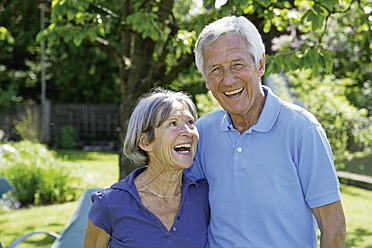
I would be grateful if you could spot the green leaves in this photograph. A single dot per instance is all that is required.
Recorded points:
(330, 4)
(315, 58)
(72, 22)
(6, 35)
(146, 24)
(315, 16)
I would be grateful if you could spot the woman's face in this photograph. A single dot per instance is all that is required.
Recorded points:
(175, 140)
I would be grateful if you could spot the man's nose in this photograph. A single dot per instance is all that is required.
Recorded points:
(228, 77)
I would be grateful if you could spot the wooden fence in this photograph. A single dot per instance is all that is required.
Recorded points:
(93, 122)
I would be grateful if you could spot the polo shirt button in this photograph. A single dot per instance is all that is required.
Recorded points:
(174, 229)
(240, 149)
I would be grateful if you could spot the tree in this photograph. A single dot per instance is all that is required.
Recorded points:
(18, 49)
(341, 101)
(152, 40)
(20, 67)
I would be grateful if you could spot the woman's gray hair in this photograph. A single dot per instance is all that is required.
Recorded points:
(144, 119)
(225, 25)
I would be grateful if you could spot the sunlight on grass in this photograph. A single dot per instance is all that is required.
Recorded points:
(357, 205)
(101, 170)
(101, 167)
(51, 218)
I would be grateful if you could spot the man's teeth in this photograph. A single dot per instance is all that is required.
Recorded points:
(233, 92)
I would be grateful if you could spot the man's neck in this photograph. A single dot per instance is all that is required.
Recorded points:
(243, 122)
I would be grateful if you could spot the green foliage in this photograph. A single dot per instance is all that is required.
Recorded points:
(7, 93)
(295, 20)
(360, 163)
(206, 103)
(349, 35)
(39, 177)
(146, 24)
(19, 24)
(67, 139)
(71, 22)
(347, 127)
(6, 35)
(28, 127)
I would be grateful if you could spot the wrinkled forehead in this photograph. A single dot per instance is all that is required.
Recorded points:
(175, 109)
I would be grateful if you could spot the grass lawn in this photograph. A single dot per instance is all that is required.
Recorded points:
(102, 170)
(357, 205)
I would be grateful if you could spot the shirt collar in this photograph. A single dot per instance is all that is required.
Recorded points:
(267, 118)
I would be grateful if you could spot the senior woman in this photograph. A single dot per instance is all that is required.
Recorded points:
(157, 205)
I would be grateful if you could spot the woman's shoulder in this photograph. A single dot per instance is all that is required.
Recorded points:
(109, 194)
(200, 185)
(202, 182)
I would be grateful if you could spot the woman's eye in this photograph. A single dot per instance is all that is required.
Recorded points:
(215, 70)
(238, 66)
(191, 122)
(173, 123)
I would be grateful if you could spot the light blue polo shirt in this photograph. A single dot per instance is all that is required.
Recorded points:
(263, 183)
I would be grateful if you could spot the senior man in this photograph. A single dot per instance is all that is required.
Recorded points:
(268, 163)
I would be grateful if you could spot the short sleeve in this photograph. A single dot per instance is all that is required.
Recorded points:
(317, 173)
(99, 212)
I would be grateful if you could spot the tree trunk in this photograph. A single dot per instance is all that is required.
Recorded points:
(142, 74)
(141, 56)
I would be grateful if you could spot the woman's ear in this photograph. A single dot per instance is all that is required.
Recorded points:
(144, 143)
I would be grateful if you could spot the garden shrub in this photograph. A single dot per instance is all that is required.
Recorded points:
(347, 127)
(67, 139)
(39, 177)
(27, 127)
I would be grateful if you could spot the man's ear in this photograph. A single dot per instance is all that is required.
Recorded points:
(207, 85)
(261, 65)
(144, 143)
(206, 82)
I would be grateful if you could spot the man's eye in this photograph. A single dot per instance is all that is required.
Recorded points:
(173, 123)
(191, 122)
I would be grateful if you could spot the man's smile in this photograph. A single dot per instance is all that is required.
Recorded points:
(234, 93)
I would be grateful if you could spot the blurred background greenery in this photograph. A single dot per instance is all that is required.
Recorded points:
(99, 52)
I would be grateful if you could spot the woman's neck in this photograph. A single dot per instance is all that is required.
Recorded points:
(160, 180)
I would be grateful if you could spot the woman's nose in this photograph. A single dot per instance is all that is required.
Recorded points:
(187, 130)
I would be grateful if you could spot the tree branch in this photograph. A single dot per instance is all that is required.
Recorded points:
(324, 29)
(106, 11)
(185, 61)
(124, 62)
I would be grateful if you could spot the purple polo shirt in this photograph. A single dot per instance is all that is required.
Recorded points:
(118, 210)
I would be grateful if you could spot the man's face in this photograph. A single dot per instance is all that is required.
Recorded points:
(231, 74)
